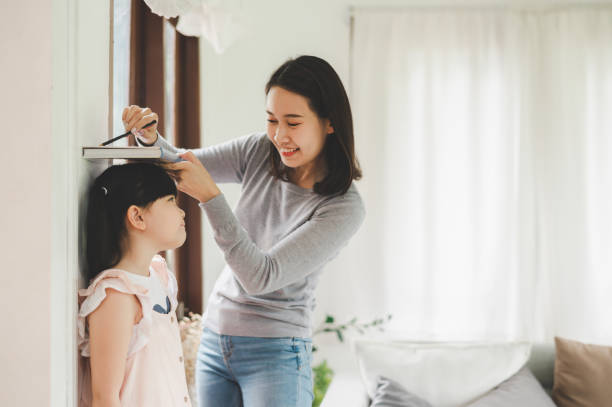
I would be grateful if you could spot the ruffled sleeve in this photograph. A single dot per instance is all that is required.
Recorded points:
(167, 278)
(91, 297)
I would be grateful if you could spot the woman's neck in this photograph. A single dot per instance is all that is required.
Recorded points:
(307, 175)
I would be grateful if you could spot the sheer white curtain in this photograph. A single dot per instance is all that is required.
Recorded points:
(573, 167)
(484, 140)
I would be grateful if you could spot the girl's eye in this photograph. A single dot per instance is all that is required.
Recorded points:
(271, 121)
(294, 124)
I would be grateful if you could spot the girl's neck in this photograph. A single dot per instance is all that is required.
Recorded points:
(136, 260)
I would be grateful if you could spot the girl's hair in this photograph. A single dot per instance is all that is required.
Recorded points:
(109, 197)
(317, 81)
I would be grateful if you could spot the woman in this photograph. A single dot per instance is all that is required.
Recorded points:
(298, 208)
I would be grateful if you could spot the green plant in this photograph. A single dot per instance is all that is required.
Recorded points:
(323, 376)
(329, 326)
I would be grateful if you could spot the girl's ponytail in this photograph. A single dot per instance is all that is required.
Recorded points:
(103, 249)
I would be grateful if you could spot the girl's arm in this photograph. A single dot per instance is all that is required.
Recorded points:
(110, 331)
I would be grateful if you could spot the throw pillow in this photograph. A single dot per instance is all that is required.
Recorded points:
(390, 393)
(582, 374)
(522, 389)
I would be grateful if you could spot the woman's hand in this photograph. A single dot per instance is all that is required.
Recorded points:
(135, 117)
(193, 179)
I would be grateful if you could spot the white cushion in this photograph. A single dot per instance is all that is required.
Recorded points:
(446, 374)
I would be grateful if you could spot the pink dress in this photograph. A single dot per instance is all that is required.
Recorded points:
(154, 370)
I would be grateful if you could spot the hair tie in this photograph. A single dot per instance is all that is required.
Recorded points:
(105, 191)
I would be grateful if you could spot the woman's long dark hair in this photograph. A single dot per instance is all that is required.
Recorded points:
(317, 81)
(109, 197)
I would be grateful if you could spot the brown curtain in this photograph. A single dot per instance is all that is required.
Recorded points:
(146, 60)
(188, 259)
(147, 89)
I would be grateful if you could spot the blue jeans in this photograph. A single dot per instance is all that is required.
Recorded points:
(244, 371)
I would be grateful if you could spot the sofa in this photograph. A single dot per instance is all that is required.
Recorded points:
(348, 387)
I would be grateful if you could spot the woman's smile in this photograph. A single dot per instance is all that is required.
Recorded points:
(288, 152)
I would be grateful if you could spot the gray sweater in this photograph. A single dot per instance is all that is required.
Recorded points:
(275, 243)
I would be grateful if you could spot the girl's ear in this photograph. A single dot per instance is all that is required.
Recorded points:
(135, 218)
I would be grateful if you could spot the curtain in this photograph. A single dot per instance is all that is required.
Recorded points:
(484, 143)
(164, 75)
(573, 141)
(147, 60)
(188, 259)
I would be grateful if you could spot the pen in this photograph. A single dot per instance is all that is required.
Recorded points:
(126, 134)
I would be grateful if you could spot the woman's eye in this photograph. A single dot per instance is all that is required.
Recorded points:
(293, 124)
(271, 121)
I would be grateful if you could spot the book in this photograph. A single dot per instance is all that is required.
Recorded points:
(121, 152)
(132, 152)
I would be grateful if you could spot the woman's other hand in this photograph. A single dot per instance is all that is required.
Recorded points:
(193, 179)
(135, 117)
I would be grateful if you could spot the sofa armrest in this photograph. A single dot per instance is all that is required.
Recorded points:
(346, 389)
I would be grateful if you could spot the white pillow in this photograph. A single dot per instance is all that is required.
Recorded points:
(446, 374)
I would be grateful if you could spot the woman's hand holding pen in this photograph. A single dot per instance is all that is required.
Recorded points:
(135, 118)
(193, 179)
(190, 175)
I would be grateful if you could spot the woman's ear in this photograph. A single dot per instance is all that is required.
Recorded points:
(329, 129)
(135, 218)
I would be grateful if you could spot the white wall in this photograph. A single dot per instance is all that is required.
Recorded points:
(54, 77)
(233, 83)
(233, 103)
(25, 218)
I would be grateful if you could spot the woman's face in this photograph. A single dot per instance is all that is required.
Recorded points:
(296, 131)
(165, 222)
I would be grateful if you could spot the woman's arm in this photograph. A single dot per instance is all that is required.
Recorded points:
(305, 250)
(110, 331)
(226, 162)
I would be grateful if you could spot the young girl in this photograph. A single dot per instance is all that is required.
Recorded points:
(128, 333)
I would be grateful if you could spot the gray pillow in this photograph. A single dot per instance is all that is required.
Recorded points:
(390, 393)
(522, 389)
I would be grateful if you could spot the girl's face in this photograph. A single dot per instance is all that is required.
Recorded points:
(165, 223)
(296, 131)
